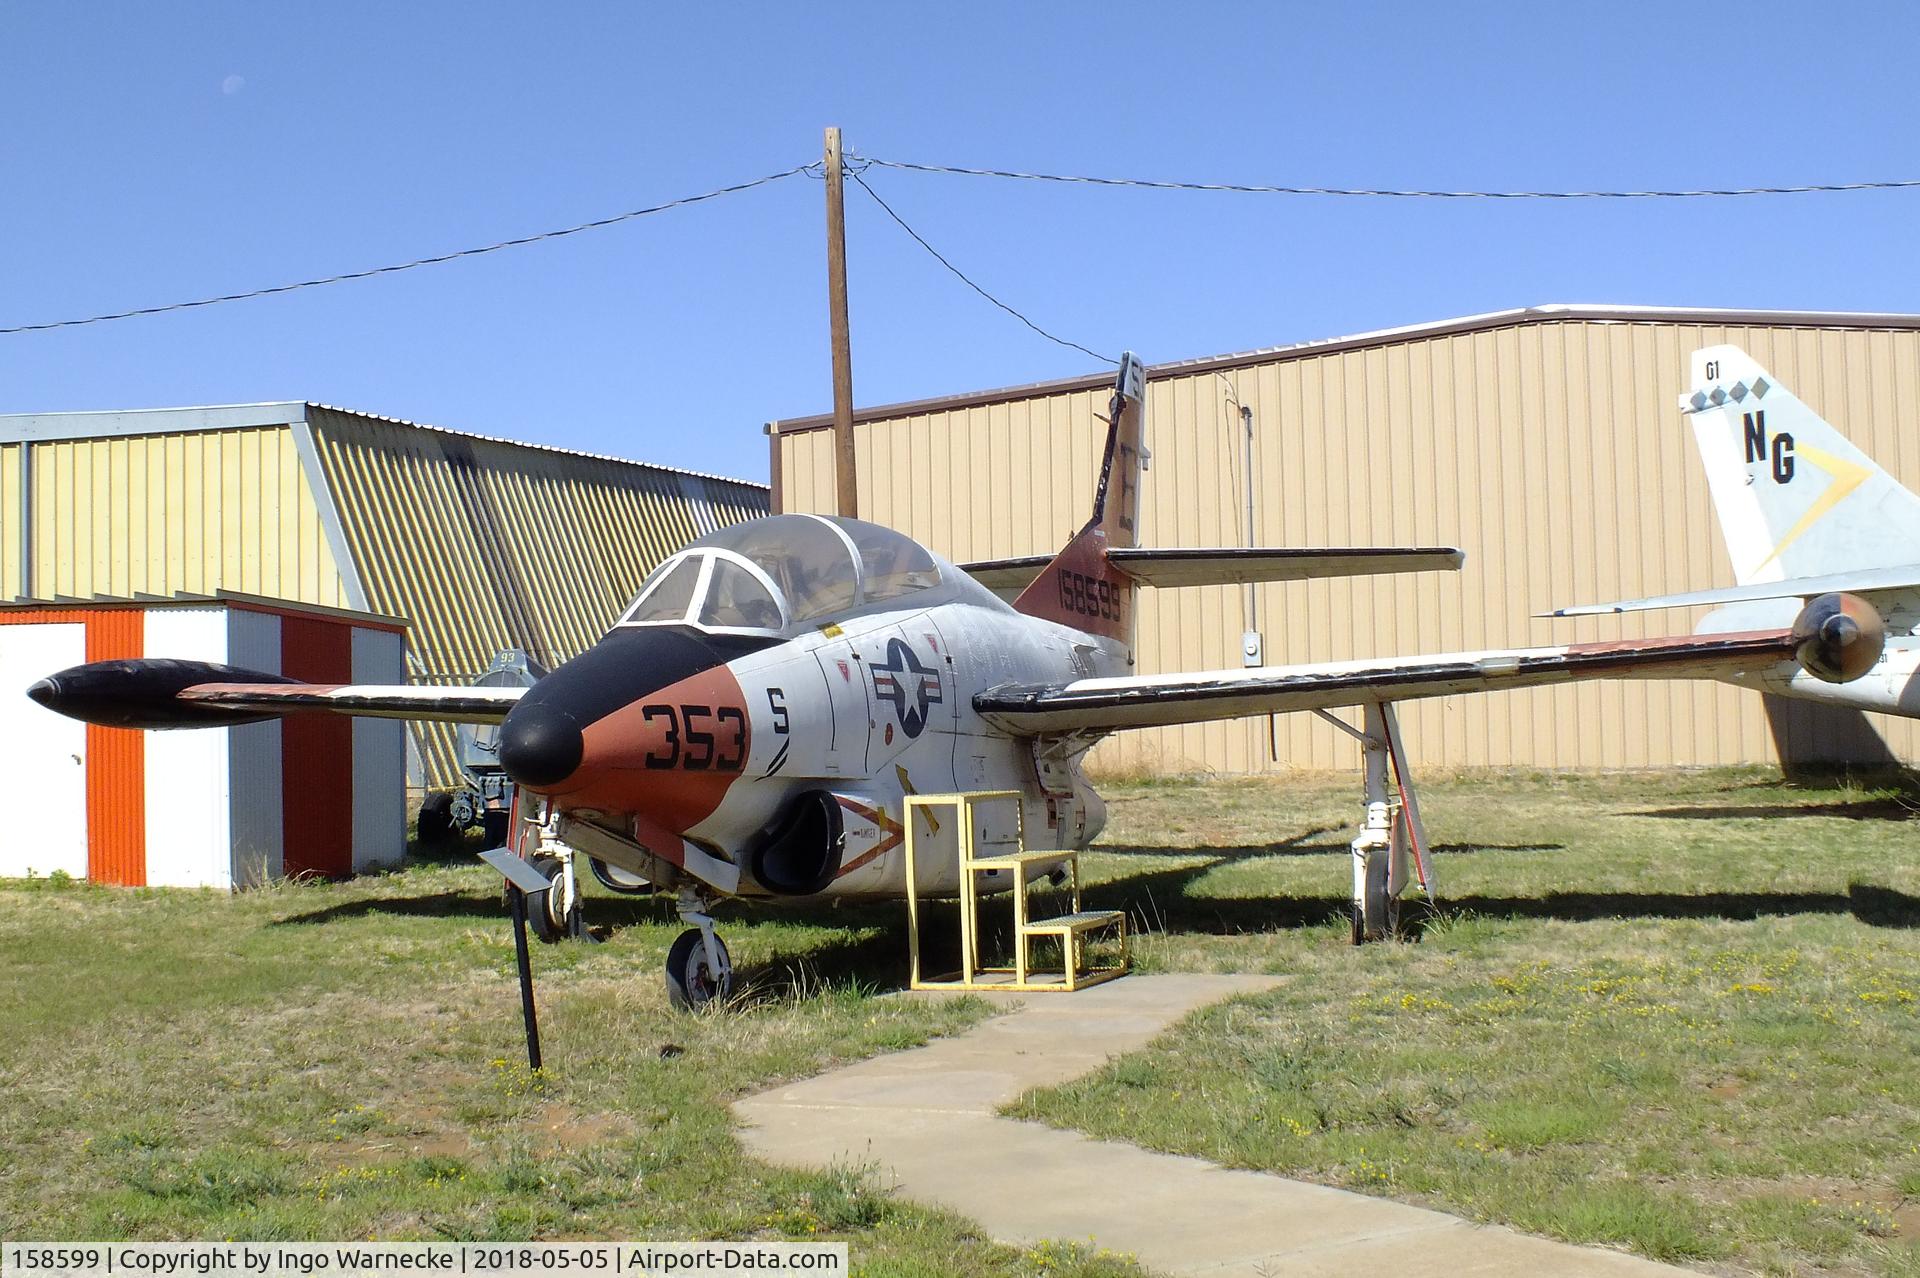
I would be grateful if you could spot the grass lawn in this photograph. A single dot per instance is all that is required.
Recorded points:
(337, 1061)
(1673, 1013)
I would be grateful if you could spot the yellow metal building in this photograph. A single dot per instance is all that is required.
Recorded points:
(1546, 442)
(480, 544)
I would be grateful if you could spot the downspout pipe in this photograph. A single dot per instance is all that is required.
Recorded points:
(25, 506)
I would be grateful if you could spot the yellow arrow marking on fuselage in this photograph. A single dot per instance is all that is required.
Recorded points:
(1847, 476)
(906, 784)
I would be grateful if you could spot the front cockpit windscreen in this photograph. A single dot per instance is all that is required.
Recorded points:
(668, 597)
(768, 574)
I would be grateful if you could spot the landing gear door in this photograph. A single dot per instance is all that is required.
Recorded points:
(910, 698)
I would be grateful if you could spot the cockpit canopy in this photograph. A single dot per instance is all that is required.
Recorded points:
(769, 574)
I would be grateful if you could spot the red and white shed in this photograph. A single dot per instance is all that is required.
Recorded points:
(219, 807)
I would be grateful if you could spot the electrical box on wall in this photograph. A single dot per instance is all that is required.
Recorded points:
(1250, 650)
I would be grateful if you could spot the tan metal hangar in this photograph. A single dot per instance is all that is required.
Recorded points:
(1544, 441)
(477, 544)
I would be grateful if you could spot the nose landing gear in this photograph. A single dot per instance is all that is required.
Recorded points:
(555, 914)
(699, 969)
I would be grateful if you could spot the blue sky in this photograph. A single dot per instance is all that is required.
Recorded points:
(155, 153)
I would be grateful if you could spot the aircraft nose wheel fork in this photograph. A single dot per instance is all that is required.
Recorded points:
(556, 914)
(699, 969)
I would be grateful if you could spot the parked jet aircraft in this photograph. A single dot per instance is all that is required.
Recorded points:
(753, 723)
(1802, 512)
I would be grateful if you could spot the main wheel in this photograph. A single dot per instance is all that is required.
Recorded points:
(1376, 916)
(434, 825)
(692, 981)
(549, 916)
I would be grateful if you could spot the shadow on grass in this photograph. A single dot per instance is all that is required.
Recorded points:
(1300, 846)
(1893, 809)
(867, 949)
(867, 946)
(1163, 899)
(601, 911)
(1903, 782)
(877, 959)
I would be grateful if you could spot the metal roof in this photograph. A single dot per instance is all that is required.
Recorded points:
(192, 599)
(1556, 312)
(482, 543)
(489, 544)
(38, 427)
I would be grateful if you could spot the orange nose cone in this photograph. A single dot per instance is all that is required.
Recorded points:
(669, 756)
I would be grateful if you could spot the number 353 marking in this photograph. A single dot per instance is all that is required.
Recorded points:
(697, 738)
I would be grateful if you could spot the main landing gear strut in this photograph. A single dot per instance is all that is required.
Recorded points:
(1390, 829)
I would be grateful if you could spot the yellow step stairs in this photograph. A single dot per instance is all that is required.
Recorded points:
(1073, 930)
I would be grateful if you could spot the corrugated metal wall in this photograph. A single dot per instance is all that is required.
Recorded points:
(10, 568)
(481, 544)
(1550, 450)
(485, 545)
(156, 514)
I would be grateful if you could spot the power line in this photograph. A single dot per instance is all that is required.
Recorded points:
(597, 223)
(858, 164)
(1238, 188)
(938, 257)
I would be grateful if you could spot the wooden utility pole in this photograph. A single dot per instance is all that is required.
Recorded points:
(848, 501)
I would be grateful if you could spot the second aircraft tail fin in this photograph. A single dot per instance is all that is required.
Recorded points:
(1794, 497)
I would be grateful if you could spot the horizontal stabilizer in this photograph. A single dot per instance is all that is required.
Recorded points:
(1863, 581)
(1232, 565)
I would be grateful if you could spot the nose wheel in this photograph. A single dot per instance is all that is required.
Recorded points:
(555, 914)
(699, 969)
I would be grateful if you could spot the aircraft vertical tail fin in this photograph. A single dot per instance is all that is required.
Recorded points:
(1081, 587)
(1794, 497)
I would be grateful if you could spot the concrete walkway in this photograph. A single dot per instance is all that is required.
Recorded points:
(926, 1118)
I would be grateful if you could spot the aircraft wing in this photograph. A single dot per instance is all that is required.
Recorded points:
(1862, 581)
(159, 692)
(368, 700)
(1231, 565)
(1147, 701)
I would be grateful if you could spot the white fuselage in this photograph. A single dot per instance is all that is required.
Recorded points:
(879, 706)
(1891, 687)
